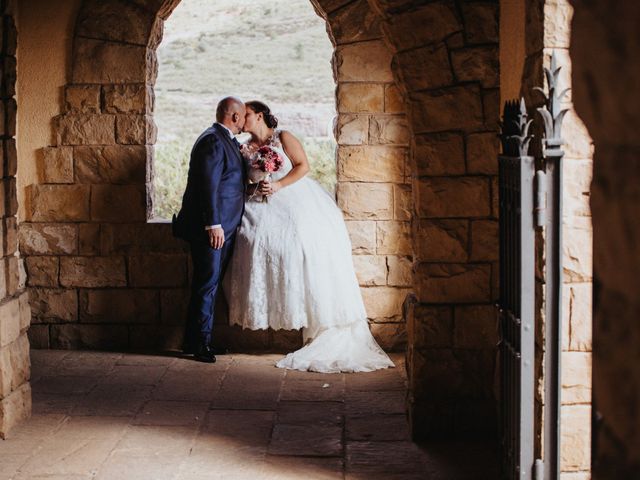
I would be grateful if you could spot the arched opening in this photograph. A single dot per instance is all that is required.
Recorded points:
(278, 52)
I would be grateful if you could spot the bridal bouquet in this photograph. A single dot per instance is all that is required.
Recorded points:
(264, 162)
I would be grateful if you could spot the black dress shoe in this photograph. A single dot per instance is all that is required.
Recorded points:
(204, 353)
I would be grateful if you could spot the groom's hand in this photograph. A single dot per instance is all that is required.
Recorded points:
(216, 238)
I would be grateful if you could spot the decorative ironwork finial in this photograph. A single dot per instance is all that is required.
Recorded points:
(514, 128)
(552, 112)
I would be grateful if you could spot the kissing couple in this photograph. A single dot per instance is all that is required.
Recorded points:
(250, 214)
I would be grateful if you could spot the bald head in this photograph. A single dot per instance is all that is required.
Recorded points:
(227, 107)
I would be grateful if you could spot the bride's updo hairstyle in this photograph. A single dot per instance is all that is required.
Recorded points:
(270, 120)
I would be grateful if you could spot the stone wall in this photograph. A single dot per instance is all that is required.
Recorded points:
(605, 49)
(15, 392)
(102, 276)
(418, 101)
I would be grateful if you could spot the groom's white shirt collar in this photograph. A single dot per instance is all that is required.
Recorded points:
(231, 135)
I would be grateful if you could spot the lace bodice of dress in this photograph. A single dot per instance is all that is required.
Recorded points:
(249, 151)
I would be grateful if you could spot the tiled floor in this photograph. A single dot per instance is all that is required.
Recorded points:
(110, 416)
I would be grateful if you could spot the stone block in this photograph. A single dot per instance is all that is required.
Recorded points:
(484, 240)
(89, 239)
(48, 239)
(140, 238)
(481, 22)
(475, 326)
(384, 302)
(580, 145)
(92, 272)
(442, 240)
(393, 238)
(439, 110)
(57, 164)
(363, 62)
(85, 129)
(173, 306)
(128, 98)
(15, 408)
(158, 270)
(82, 98)
(439, 154)
(477, 64)
(136, 130)
(14, 365)
(114, 164)
(491, 107)
(436, 22)
(482, 153)
(366, 201)
(10, 157)
(12, 274)
(557, 24)
(9, 232)
(42, 271)
(577, 317)
(119, 306)
(11, 112)
(156, 337)
(53, 305)
(575, 440)
(10, 76)
(329, 6)
(577, 177)
(25, 311)
(94, 337)
(453, 283)
(345, 30)
(577, 259)
(402, 202)
(120, 21)
(389, 130)
(432, 327)
(400, 271)
(363, 236)
(426, 67)
(576, 378)
(9, 321)
(360, 97)
(39, 336)
(371, 164)
(59, 203)
(108, 62)
(118, 203)
(371, 270)
(392, 337)
(454, 197)
(352, 130)
(393, 101)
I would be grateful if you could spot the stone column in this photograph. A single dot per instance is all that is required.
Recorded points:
(15, 391)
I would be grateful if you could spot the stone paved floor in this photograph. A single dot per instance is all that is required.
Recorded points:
(110, 416)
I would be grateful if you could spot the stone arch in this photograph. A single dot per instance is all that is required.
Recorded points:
(416, 182)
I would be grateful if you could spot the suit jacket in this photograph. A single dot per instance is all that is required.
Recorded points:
(215, 186)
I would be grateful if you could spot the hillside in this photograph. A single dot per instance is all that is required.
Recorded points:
(275, 51)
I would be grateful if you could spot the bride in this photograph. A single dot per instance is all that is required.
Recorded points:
(292, 267)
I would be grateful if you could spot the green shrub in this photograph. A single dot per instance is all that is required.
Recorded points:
(172, 165)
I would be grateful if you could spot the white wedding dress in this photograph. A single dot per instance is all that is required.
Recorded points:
(292, 269)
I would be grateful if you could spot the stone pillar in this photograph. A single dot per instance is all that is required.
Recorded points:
(548, 27)
(15, 391)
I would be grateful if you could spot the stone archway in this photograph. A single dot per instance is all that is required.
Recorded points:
(416, 182)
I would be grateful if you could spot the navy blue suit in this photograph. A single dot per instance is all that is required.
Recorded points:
(214, 196)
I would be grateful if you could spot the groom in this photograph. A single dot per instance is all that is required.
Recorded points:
(212, 207)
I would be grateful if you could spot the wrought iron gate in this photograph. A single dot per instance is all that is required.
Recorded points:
(526, 195)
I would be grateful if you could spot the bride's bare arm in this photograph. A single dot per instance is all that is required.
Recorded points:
(293, 148)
